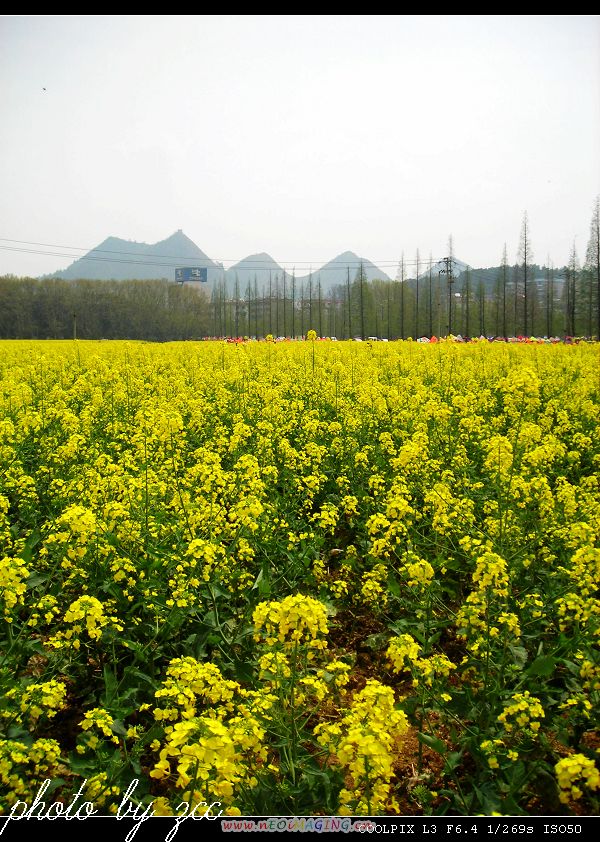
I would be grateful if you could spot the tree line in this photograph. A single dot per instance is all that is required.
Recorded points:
(522, 299)
(58, 309)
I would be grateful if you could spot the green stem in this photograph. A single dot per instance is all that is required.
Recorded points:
(293, 723)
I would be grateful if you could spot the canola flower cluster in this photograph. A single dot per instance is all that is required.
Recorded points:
(295, 620)
(236, 571)
(525, 711)
(486, 614)
(363, 744)
(215, 740)
(574, 772)
(100, 721)
(403, 653)
(35, 700)
(13, 575)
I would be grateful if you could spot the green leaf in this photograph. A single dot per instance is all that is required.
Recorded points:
(543, 666)
(210, 620)
(198, 649)
(27, 552)
(110, 685)
(117, 727)
(83, 766)
(400, 626)
(16, 732)
(520, 655)
(132, 676)
(452, 761)
(376, 641)
(572, 667)
(433, 742)
(262, 583)
(257, 581)
(36, 579)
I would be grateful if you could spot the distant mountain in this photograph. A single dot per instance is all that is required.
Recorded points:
(259, 266)
(336, 271)
(117, 259)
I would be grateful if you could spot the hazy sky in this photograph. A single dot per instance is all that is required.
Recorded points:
(301, 136)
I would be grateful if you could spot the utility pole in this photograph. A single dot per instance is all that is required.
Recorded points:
(439, 304)
(450, 279)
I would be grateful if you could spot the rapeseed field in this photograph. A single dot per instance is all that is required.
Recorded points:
(301, 578)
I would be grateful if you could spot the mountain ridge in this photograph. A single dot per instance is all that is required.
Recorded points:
(118, 259)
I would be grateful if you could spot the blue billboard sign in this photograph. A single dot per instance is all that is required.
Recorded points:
(191, 274)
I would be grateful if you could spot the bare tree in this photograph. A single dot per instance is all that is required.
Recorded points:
(549, 298)
(430, 302)
(571, 292)
(526, 257)
(320, 300)
(270, 302)
(294, 304)
(592, 262)
(349, 303)
(284, 303)
(417, 298)
(481, 303)
(400, 277)
(467, 302)
(361, 281)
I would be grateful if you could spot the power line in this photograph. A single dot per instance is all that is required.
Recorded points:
(131, 258)
(87, 250)
(105, 259)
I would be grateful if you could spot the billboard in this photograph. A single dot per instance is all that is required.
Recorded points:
(189, 273)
